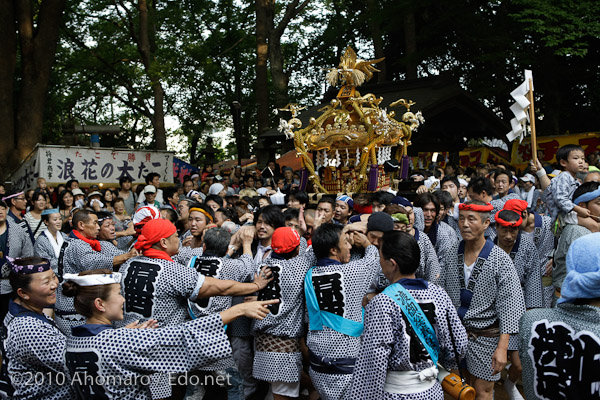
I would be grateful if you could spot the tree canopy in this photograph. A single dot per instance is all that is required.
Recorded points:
(168, 72)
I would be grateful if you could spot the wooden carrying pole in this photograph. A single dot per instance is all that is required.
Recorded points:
(532, 123)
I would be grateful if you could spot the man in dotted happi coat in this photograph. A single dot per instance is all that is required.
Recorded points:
(334, 290)
(483, 284)
(156, 287)
(277, 337)
(83, 253)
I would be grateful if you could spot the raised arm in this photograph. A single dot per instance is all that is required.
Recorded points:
(252, 309)
(219, 287)
(243, 237)
(541, 174)
(120, 260)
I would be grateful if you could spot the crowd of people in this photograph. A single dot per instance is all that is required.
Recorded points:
(239, 285)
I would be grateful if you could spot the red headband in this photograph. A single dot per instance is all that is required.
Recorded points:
(153, 231)
(476, 207)
(363, 209)
(516, 205)
(138, 227)
(508, 224)
(284, 240)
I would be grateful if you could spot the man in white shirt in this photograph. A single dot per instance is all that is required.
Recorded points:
(527, 191)
(152, 179)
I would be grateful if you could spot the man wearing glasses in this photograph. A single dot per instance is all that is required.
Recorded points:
(17, 204)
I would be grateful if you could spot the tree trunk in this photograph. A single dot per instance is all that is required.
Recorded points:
(280, 78)
(38, 48)
(194, 147)
(247, 121)
(242, 138)
(410, 45)
(147, 53)
(262, 54)
(158, 121)
(8, 56)
(198, 130)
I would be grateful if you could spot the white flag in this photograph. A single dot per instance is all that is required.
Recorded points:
(519, 95)
(528, 76)
(519, 122)
(519, 112)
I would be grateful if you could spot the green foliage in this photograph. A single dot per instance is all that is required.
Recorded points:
(565, 26)
(205, 54)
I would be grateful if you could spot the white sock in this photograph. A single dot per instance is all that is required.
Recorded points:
(511, 390)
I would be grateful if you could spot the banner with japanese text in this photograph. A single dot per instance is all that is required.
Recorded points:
(548, 145)
(470, 157)
(91, 165)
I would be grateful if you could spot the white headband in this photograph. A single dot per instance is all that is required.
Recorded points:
(94, 280)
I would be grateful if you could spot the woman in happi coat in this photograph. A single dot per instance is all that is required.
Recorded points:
(118, 363)
(394, 362)
(52, 242)
(33, 364)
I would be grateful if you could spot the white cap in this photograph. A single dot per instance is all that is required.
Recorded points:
(463, 182)
(215, 188)
(149, 189)
(528, 178)
(77, 192)
(94, 193)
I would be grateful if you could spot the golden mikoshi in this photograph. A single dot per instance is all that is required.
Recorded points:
(352, 133)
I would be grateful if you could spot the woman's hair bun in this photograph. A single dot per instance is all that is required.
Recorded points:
(70, 289)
